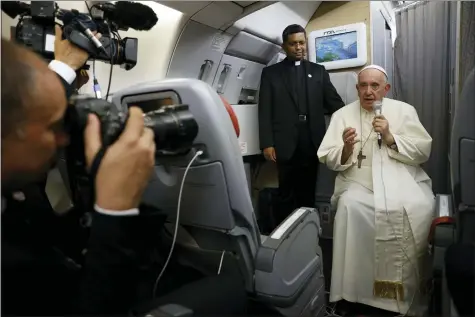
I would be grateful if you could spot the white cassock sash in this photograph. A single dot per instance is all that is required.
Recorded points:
(396, 195)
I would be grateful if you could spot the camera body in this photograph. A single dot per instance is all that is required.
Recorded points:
(35, 30)
(174, 127)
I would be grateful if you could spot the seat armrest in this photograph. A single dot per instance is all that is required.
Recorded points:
(290, 260)
(443, 206)
(443, 217)
(170, 310)
(442, 232)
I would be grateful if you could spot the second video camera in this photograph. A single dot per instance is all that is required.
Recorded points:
(35, 28)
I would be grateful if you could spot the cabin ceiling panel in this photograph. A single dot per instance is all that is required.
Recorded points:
(269, 22)
(187, 7)
(244, 3)
(218, 13)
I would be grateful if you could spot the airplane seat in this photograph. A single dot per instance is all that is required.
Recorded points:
(345, 85)
(218, 231)
(455, 215)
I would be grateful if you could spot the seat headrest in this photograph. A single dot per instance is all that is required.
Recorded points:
(345, 85)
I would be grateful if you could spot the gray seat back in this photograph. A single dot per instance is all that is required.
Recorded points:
(345, 85)
(216, 207)
(463, 159)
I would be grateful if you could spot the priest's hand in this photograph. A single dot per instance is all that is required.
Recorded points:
(381, 125)
(269, 154)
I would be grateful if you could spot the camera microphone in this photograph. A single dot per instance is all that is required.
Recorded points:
(15, 8)
(377, 108)
(91, 37)
(128, 14)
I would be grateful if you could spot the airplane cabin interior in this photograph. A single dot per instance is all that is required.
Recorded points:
(203, 52)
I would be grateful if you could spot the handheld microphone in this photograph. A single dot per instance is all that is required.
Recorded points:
(377, 108)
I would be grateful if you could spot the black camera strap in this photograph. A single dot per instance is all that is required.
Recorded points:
(96, 163)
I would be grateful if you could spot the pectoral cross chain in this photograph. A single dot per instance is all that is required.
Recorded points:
(360, 158)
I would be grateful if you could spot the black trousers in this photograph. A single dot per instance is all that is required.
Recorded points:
(297, 182)
(460, 274)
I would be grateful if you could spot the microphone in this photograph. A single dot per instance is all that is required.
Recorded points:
(128, 14)
(377, 107)
(15, 8)
(91, 37)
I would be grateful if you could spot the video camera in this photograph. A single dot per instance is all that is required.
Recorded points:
(35, 29)
(173, 125)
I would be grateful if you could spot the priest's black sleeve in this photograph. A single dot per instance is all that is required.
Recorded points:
(332, 100)
(266, 137)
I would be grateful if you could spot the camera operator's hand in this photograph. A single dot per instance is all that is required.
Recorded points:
(127, 164)
(68, 53)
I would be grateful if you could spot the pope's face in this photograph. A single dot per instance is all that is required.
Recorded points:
(372, 86)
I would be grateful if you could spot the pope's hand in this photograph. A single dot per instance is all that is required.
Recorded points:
(381, 125)
(349, 139)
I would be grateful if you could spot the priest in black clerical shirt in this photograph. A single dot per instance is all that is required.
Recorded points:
(295, 94)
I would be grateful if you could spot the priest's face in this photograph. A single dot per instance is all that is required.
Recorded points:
(295, 46)
(372, 85)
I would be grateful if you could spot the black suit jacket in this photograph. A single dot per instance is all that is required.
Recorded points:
(278, 108)
(38, 279)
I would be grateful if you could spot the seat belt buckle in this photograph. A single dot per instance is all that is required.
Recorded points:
(302, 117)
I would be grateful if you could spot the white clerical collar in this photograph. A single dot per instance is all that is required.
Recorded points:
(297, 63)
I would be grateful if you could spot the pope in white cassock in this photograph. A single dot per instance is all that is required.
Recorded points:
(383, 199)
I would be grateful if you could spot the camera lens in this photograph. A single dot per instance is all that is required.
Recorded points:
(174, 127)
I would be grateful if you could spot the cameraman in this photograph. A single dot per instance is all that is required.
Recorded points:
(33, 109)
